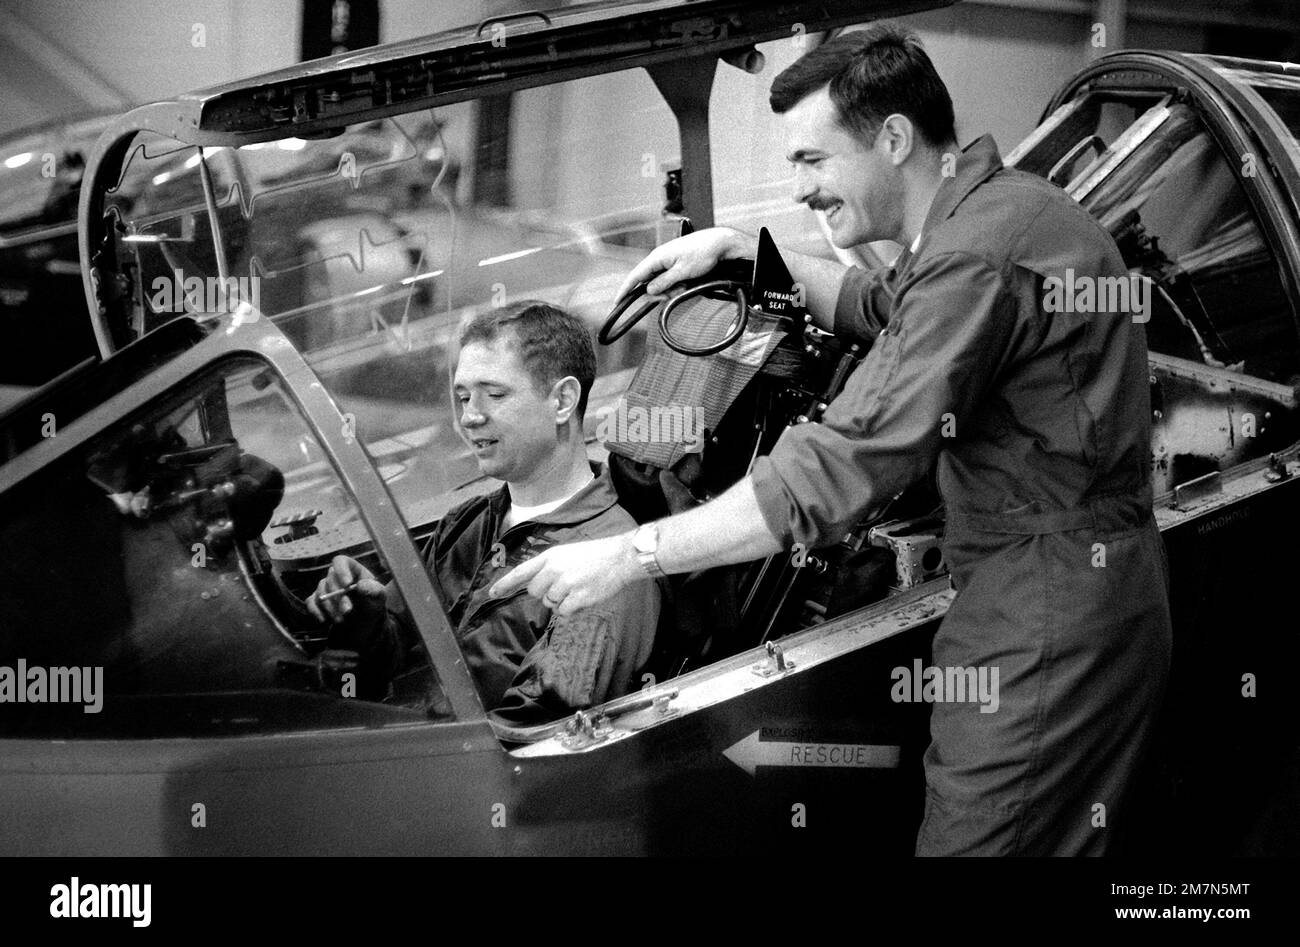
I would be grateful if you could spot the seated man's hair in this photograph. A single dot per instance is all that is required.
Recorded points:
(872, 74)
(552, 343)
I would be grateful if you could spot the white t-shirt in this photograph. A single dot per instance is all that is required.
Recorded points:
(519, 514)
(896, 261)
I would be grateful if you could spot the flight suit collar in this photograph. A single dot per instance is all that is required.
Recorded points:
(977, 162)
(520, 542)
(589, 502)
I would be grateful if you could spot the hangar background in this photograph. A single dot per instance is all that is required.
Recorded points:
(1001, 59)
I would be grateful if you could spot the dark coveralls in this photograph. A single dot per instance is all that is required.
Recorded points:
(530, 666)
(1040, 423)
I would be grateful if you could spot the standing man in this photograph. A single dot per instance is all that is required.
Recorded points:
(1038, 420)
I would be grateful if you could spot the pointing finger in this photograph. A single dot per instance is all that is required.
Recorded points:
(519, 576)
(548, 588)
(569, 604)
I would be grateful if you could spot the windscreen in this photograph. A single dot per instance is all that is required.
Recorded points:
(370, 249)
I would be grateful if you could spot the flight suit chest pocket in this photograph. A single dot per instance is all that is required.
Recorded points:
(501, 558)
(869, 383)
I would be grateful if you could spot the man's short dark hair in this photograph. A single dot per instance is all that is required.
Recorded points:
(551, 343)
(872, 74)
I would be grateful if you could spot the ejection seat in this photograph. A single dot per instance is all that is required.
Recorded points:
(733, 363)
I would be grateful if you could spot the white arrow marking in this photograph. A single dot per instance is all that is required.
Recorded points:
(751, 753)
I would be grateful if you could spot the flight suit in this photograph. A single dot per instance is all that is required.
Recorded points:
(1037, 416)
(530, 666)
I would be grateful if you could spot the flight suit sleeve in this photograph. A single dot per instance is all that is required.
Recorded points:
(379, 648)
(863, 305)
(382, 650)
(583, 659)
(949, 336)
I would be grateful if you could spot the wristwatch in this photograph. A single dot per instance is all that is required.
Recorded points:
(646, 543)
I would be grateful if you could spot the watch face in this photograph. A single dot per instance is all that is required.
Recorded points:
(645, 539)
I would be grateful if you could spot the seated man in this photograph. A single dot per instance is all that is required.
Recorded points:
(522, 382)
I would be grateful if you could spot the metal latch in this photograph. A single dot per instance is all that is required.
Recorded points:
(585, 729)
(661, 703)
(1277, 470)
(776, 662)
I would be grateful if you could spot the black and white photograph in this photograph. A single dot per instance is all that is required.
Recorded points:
(805, 432)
